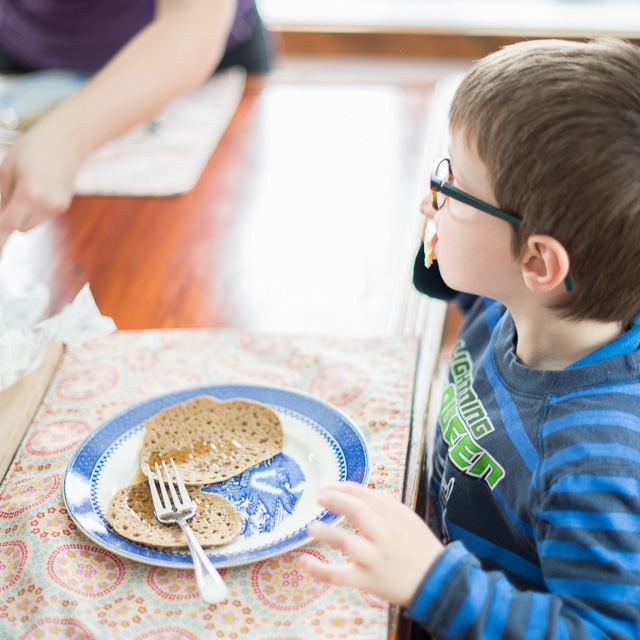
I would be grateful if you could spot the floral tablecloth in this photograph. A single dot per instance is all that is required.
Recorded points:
(56, 583)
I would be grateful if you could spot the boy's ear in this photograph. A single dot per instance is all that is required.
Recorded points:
(544, 264)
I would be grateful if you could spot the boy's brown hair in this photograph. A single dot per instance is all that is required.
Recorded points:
(557, 125)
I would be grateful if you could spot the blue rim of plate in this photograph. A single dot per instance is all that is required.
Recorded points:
(341, 433)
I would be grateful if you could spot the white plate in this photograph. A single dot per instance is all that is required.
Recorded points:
(277, 498)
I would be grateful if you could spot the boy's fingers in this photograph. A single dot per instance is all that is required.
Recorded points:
(352, 488)
(358, 548)
(322, 571)
(374, 499)
(354, 507)
(372, 496)
(341, 575)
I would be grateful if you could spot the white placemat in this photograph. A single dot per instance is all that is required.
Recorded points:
(167, 156)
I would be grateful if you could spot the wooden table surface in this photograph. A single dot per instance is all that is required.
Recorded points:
(303, 222)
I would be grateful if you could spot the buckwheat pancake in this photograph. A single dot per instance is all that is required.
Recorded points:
(130, 513)
(430, 238)
(211, 440)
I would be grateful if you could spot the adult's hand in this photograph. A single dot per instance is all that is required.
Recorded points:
(174, 53)
(37, 176)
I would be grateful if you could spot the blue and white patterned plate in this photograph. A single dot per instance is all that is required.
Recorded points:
(277, 498)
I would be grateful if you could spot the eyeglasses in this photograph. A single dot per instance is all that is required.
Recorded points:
(441, 189)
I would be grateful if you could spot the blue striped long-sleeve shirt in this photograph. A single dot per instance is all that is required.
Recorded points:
(537, 480)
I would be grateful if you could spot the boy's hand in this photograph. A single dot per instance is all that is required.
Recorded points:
(391, 554)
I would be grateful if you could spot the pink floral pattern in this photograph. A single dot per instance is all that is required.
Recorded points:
(168, 633)
(13, 556)
(174, 584)
(164, 379)
(57, 436)
(280, 582)
(57, 628)
(85, 570)
(55, 583)
(27, 493)
(88, 383)
(340, 383)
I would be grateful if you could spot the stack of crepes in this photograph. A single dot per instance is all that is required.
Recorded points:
(210, 441)
(430, 237)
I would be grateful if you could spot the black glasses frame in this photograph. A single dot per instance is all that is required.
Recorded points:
(439, 185)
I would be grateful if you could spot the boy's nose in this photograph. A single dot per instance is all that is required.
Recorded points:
(426, 208)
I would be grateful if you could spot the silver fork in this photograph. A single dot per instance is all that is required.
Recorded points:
(212, 587)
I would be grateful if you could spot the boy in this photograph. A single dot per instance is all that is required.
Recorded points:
(536, 465)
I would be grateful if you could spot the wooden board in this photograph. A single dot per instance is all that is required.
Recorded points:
(19, 403)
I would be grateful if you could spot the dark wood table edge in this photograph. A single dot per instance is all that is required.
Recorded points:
(415, 476)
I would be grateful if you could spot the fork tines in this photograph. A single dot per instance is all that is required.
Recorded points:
(167, 505)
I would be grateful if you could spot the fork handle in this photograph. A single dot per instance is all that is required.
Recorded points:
(212, 587)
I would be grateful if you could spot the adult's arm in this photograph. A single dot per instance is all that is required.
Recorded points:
(173, 54)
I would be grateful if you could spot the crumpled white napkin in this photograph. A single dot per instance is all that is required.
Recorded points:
(23, 344)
